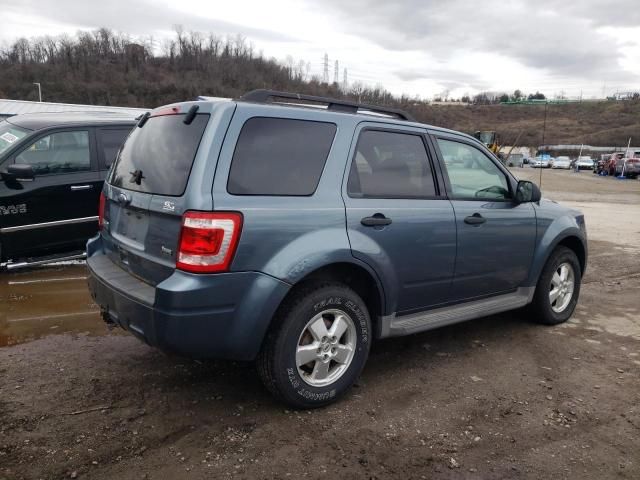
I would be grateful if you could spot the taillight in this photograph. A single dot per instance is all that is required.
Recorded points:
(208, 241)
(101, 207)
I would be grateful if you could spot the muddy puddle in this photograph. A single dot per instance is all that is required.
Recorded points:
(46, 301)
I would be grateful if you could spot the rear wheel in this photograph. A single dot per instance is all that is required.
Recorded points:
(317, 347)
(558, 288)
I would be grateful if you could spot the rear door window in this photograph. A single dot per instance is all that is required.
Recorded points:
(157, 158)
(109, 142)
(279, 156)
(390, 165)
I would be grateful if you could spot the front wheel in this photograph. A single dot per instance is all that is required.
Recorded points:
(317, 347)
(558, 288)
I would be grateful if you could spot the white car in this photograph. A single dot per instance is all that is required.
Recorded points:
(540, 163)
(562, 162)
(584, 163)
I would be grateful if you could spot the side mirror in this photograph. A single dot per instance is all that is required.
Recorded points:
(527, 192)
(19, 172)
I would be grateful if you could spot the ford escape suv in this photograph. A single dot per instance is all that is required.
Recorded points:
(294, 230)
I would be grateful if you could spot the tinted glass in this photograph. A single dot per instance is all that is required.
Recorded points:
(110, 142)
(472, 174)
(157, 158)
(277, 156)
(62, 152)
(390, 165)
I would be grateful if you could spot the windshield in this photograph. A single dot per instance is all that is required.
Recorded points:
(9, 135)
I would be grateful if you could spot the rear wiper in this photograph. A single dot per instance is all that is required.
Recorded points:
(136, 177)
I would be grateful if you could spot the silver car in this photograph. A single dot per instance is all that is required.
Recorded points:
(584, 163)
(539, 162)
(562, 162)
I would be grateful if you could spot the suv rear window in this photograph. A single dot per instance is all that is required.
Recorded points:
(279, 156)
(157, 158)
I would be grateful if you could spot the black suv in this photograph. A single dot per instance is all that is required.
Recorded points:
(52, 167)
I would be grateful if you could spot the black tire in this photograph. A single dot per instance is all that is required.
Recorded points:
(540, 309)
(276, 362)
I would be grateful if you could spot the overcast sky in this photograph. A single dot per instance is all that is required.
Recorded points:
(418, 47)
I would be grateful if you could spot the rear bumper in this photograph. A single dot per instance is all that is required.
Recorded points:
(201, 316)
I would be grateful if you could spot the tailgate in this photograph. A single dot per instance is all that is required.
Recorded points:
(145, 193)
(141, 233)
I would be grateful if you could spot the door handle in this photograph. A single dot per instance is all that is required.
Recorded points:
(75, 188)
(376, 220)
(475, 219)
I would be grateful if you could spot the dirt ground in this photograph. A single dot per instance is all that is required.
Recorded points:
(496, 398)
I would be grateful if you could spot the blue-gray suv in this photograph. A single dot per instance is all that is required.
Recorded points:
(295, 230)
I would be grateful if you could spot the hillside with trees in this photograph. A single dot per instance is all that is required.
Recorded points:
(102, 67)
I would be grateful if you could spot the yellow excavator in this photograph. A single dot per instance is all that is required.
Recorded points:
(490, 139)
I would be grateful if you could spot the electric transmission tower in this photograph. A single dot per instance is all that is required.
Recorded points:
(345, 83)
(325, 68)
(336, 73)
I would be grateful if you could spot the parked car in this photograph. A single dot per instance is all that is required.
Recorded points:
(562, 162)
(599, 166)
(296, 236)
(630, 165)
(584, 163)
(515, 160)
(611, 163)
(52, 167)
(540, 162)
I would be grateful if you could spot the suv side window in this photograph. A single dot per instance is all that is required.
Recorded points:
(109, 142)
(279, 156)
(58, 153)
(390, 165)
(472, 174)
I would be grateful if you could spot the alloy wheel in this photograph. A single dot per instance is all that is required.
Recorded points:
(326, 347)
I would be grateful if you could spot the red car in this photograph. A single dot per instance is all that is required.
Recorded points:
(610, 163)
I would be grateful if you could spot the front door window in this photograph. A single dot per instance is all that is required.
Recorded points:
(472, 174)
(58, 153)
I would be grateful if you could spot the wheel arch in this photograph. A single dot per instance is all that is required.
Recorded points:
(355, 276)
(575, 244)
(572, 239)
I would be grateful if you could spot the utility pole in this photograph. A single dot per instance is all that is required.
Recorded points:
(325, 68)
(39, 91)
(336, 72)
(544, 124)
(544, 130)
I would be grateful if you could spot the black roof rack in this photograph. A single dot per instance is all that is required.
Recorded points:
(263, 96)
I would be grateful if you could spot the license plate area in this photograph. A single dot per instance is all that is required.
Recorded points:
(130, 227)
